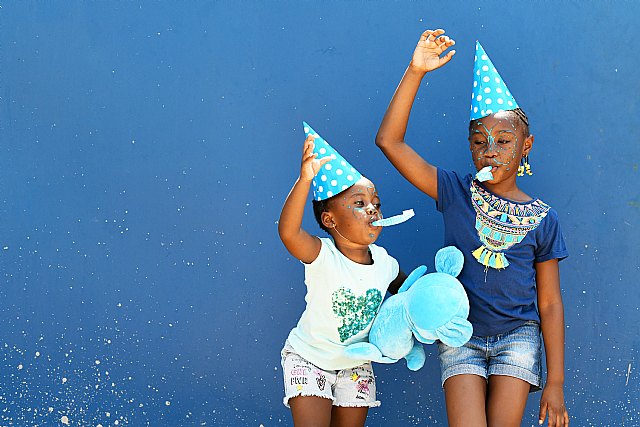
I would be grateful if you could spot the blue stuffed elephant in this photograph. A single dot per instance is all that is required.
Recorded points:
(428, 307)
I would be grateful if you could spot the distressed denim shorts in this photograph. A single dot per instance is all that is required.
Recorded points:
(516, 353)
(353, 387)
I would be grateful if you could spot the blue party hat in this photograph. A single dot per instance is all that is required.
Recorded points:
(490, 93)
(336, 175)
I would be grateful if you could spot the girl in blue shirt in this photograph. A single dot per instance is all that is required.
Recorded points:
(512, 243)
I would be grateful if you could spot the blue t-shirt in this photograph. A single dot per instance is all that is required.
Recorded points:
(501, 241)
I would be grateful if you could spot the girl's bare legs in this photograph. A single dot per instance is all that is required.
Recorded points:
(506, 401)
(311, 411)
(465, 396)
(348, 417)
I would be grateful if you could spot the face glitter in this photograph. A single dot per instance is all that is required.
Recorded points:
(496, 145)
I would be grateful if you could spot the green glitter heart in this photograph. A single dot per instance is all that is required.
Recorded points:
(355, 312)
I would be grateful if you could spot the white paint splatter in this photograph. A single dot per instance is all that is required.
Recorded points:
(628, 373)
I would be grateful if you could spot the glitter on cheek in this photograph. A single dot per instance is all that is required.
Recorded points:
(359, 212)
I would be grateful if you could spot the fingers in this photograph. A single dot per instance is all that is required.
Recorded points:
(308, 155)
(437, 42)
(307, 148)
(543, 412)
(561, 417)
(447, 57)
(308, 141)
(431, 36)
(444, 42)
(325, 160)
(557, 417)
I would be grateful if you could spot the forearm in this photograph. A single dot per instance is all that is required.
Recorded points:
(390, 136)
(394, 124)
(552, 324)
(290, 223)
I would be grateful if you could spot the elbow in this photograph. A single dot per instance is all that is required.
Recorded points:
(286, 235)
(382, 142)
(282, 232)
(551, 310)
(385, 143)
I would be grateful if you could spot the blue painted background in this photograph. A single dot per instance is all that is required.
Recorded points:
(146, 149)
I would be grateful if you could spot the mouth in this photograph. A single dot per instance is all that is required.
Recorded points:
(374, 219)
(494, 169)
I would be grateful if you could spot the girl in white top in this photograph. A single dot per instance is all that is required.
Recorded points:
(346, 278)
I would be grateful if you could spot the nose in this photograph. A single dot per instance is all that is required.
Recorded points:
(492, 148)
(491, 151)
(370, 209)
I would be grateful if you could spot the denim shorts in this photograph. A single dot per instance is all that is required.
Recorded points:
(516, 353)
(353, 387)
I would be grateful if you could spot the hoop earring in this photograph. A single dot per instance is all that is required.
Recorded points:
(524, 167)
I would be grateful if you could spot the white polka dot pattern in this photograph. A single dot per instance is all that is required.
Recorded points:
(490, 94)
(337, 175)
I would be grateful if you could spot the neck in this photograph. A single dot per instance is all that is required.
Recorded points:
(507, 189)
(354, 251)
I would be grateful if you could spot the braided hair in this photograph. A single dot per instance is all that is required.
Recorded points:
(523, 119)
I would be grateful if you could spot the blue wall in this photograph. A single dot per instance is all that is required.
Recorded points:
(146, 149)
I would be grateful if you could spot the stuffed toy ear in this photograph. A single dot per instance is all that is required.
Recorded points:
(449, 260)
(411, 279)
(456, 332)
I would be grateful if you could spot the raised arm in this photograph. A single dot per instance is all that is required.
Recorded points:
(552, 324)
(390, 138)
(298, 242)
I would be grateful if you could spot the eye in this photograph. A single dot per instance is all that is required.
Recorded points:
(503, 141)
(359, 203)
(478, 141)
(377, 205)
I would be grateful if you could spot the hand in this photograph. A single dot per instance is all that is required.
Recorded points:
(310, 164)
(552, 401)
(432, 44)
